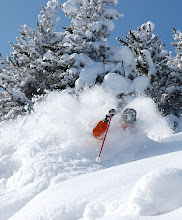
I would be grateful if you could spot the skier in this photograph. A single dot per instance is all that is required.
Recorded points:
(127, 122)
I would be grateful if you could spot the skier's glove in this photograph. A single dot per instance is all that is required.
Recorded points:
(112, 112)
(106, 119)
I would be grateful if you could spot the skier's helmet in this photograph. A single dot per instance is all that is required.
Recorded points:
(129, 115)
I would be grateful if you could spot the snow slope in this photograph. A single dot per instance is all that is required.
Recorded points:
(47, 158)
(104, 194)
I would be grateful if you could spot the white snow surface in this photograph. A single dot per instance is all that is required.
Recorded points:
(48, 56)
(152, 69)
(180, 124)
(157, 192)
(116, 84)
(123, 54)
(69, 7)
(140, 83)
(92, 69)
(48, 168)
(96, 26)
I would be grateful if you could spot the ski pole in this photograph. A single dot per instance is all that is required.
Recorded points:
(98, 158)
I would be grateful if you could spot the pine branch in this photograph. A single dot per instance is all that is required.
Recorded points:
(122, 41)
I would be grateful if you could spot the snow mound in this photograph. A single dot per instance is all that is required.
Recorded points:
(116, 84)
(179, 125)
(69, 7)
(157, 193)
(140, 83)
(48, 56)
(123, 54)
(96, 26)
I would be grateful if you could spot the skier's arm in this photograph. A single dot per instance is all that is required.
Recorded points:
(99, 129)
(102, 125)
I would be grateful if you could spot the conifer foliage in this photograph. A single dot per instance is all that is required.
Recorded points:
(149, 52)
(153, 61)
(91, 22)
(44, 59)
(33, 66)
(171, 100)
(86, 44)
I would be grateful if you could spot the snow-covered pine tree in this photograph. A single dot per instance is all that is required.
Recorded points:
(177, 61)
(92, 20)
(86, 39)
(171, 101)
(34, 64)
(151, 58)
(149, 52)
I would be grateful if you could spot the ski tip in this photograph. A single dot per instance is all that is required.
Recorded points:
(98, 160)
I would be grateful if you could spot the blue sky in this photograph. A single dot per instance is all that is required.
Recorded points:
(165, 14)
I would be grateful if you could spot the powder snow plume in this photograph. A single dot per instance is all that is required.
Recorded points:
(55, 143)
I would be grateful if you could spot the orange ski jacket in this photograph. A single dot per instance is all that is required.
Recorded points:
(101, 127)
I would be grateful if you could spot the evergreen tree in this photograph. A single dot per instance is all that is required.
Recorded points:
(45, 60)
(148, 50)
(151, 60)
(92, 20)
(86, 42)
(34, 66)
(171, 100)
(177, 61)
